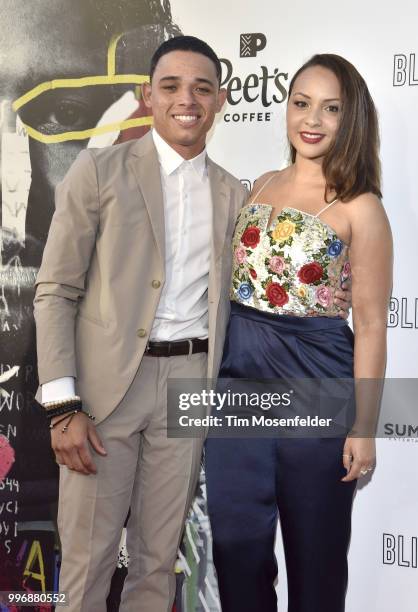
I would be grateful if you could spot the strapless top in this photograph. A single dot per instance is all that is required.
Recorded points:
(292, 267)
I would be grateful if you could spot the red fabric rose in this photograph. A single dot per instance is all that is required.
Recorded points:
(311, 272)
(253, 273)
(276, 295)
(251, 236)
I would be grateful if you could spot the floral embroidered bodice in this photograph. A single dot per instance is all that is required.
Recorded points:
(292, 267)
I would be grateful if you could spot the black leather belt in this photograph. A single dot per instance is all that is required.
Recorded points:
(177, 347)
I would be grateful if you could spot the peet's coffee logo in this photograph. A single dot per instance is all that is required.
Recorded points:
(254, 86)
(400, 550)
(403, 312)
(251, 44)
(263, 86)
(405, 70)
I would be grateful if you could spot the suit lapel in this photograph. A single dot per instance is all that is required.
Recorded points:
(220, 210)
(220, 216)
(146, 168)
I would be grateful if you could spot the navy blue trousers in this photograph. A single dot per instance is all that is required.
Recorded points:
(253, 482)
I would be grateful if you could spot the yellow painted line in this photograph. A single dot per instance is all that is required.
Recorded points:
(111, 55)
(84, 134)
(125, 79)
(109, 79)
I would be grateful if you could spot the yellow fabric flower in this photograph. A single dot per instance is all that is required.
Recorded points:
(302, 292)
(283, 230)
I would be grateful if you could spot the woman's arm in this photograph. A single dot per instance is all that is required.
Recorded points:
(371, 258)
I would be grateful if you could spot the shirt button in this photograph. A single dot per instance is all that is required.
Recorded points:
(156, 284)
(141, 333)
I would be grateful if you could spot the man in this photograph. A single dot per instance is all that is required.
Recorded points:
(134, 277)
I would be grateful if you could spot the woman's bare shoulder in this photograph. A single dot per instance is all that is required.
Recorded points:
(367, 214)
(364, 204)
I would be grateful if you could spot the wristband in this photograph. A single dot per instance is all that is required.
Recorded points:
(58, 410)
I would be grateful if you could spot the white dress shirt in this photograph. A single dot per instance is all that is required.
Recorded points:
(183, 307)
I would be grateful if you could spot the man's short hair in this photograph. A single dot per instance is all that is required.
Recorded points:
(185, 43)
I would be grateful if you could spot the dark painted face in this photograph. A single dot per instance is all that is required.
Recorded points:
(42, 42)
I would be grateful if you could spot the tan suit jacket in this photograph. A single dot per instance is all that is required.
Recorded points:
(102, 271)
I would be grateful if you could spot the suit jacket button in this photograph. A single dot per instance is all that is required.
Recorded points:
(141, 333)
(156, 284)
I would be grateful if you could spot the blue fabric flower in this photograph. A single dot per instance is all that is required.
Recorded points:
(245, 291)
(335, 248)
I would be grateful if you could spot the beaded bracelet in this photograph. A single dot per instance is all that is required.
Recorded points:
(64, 408)
(48, 406)
(60, 402)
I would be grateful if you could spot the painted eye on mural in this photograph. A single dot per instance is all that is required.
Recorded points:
(69, 114)
(65, 110)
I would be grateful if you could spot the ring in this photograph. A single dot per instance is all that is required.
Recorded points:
(363, 472)
(345, 455)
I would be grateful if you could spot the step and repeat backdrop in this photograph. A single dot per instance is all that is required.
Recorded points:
(70, 75)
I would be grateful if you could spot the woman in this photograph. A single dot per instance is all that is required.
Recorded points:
(294, 242)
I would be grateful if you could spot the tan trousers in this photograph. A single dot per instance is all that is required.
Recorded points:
(154, 475)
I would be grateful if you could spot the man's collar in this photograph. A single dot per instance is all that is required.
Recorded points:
(171, 160)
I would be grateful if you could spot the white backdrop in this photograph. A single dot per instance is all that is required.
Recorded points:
(375, 37)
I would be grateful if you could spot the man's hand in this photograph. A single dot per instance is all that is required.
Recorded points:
(343, 298)
(71, 448)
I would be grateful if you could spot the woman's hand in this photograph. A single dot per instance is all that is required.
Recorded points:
(343, 298)
(359, 457)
